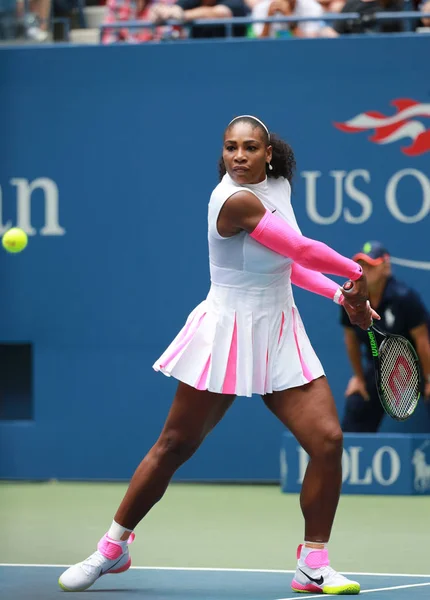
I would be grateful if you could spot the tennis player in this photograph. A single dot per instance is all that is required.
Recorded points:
(247, 338)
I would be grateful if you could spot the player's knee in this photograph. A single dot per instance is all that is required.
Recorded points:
(331, 444)
(176, 447)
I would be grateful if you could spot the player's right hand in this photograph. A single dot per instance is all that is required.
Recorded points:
(356, 303)
(356, 385)
(356, 292)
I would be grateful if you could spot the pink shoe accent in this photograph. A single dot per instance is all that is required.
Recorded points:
(299, 551)
(131, 538)
(317, 559)
(122, 569)
(305, 369)
(309, 587)
(229, 386)
(110, 548)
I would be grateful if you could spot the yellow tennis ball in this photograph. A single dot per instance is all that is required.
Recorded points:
(14, 240)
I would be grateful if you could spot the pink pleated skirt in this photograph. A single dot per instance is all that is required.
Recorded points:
(243, 342)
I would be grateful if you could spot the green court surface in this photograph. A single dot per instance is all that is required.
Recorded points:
(216, 526)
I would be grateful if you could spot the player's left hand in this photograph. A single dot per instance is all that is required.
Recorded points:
(361, 316)
(357, 305)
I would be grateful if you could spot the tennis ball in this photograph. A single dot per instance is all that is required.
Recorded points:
(14, 240)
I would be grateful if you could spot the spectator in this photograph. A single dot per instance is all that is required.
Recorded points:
(138, 10)
(159, 12)
(213, 9)
(425, 21)
(330, 7)
(367, 22)
(251, 4)
(37, 22)
(402, 312)
(299, 8)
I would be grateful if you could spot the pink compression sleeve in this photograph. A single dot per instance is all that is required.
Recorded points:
(276, 234)
(316, 282)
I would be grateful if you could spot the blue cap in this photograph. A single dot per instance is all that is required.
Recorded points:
(373, 253)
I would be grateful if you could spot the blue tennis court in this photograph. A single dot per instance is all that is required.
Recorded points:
(39, 582)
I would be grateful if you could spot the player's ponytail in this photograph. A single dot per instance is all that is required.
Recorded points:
(283, 159)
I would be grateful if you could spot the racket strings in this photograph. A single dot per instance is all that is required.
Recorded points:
(400, 376)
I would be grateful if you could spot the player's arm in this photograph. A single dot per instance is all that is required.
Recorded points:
(244, 211)
(317, 283)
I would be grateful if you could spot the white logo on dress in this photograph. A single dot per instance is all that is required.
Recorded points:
(422, 469)
(389, 317)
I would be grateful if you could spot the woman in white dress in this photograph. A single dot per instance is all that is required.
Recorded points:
(247, 338)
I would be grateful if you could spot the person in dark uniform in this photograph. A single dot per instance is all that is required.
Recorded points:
(403, 312)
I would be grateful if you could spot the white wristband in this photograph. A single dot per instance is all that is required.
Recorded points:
(337, 296)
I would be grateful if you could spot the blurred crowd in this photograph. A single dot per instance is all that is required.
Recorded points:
(31, 18)
(188, 11)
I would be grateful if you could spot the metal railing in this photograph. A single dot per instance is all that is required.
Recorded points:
(229, 24)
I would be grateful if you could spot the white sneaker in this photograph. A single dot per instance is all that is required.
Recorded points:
(315, 575)
(110, 557)
(36, 34)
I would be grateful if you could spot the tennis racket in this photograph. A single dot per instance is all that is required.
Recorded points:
(397, 373)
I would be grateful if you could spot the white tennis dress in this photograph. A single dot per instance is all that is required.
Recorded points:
(247, 337)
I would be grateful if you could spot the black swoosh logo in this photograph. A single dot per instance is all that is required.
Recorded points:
(318, 581)
(112, 566)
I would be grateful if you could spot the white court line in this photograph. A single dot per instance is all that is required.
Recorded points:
(226, 570)
(395, 587)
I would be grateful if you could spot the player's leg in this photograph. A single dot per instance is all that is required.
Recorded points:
(193, 414)
(309, 412)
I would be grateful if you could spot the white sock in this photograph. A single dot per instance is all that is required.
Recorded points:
(116, 532)
(308, 547)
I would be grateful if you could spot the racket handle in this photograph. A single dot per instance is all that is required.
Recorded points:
(348, 285)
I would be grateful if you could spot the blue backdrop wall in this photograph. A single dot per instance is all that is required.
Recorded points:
(108, 156)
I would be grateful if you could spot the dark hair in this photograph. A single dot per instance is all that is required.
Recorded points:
(283, 159)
